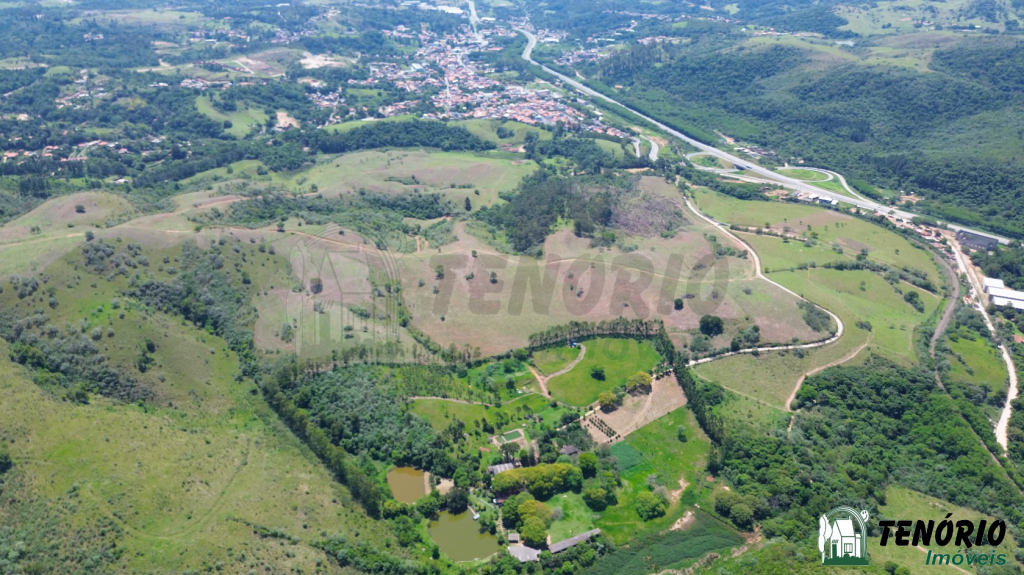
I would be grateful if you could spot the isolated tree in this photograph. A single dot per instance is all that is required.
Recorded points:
(639, 381)
(79, 209)
(678, 303)
(509, 451)
(649, 506)
(596, 498)
(439, 272)
(711, 325)
(5, 459)
(606, 399)
(533, 532)
(588, 464)
(457, 500)
(469, 205)
(316, 285)
(494, 277)
(597, 372)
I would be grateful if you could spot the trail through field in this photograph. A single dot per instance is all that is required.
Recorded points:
(1011, 394)
(819, 369)
(463, 401)
(840, 327)
(543, 380)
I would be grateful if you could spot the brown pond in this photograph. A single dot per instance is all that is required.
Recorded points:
(406, 484)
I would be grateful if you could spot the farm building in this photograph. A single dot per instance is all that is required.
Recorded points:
(976, 241)
(1000, 295)
(569, 450)
(573, 541)
(524, 553)
(496, 469)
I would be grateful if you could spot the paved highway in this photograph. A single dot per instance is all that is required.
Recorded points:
(785, 181)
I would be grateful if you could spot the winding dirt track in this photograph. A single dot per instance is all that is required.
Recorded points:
(543, 379)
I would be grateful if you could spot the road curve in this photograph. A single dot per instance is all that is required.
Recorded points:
(840, 327)
(792, 183)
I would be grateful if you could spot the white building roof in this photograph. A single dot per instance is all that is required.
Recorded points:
(1005, 293)
(1001, 301)
(992, 283)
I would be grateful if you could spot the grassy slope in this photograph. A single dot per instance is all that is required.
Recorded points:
(620, 359)
(671, 460)
(850, 233)
(241, 120)
(554, 359)
(772, 377)
(902, 503)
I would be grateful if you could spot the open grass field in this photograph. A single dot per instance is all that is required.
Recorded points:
(242, 120)
(772, 376)
(805, 175)
(378, 171)
(903, 503)
(575, 281)
(441, 412)
(831, 227)
(174, 480)
(59, 228)
(656, 450)
(738, 409)
(488, 130)
(674, 461)
(620, 358)
(181, 475)
(977, 362)
(555, 359)
(576, 516)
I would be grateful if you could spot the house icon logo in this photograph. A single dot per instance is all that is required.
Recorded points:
(842, 537)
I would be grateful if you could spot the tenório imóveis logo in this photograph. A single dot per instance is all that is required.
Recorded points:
(842, 536)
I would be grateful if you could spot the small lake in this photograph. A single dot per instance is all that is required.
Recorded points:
(407, 484)
(460, 537)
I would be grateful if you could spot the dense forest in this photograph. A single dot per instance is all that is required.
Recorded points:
(861, 430)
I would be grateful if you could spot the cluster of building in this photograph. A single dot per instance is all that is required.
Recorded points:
(447, 8)
(587, 56)
(656, 40)
(1000, 295)
(202, 84)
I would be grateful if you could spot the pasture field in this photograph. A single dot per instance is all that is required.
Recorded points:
(903, 503)
(848, 232)
(555, 359)
(59, 229)
(611, 148)
(353, 124)
(488, 130)
(679, 466)
(802, 174)
(178, 482)
(977, 362)
(738, 409)
(242, 120)
(674, 461)
(576, 282)
(380, 171)
(576, 516)
(206, 460)
(620, 358)
(772, 376)
(441, 412)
